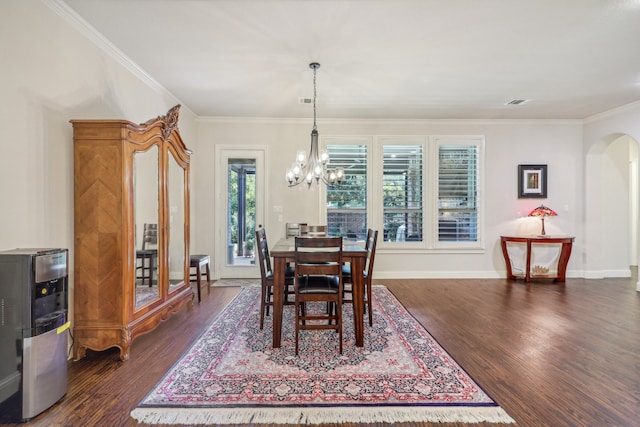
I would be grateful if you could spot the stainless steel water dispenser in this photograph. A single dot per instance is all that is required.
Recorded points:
(33, 331)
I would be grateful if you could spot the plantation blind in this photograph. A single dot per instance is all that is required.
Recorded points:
(458, 193)
(347, 202)
(403, 193)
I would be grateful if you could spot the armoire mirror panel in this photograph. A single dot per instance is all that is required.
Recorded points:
(145, 210)
(131, 230)
(177, 253)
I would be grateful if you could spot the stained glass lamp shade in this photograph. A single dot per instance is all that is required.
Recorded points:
(542, 211)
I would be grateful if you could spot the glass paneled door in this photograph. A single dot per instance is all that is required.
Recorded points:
(240, 174)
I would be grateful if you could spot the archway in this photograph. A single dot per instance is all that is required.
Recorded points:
(611, 207)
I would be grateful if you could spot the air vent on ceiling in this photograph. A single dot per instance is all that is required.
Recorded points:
(516, 102)
(305, 101)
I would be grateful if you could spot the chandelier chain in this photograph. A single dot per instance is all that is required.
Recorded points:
(314, 97)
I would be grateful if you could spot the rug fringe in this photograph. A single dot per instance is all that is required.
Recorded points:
(208, 416)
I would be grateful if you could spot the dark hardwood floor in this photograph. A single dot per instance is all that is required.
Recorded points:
(550, 354)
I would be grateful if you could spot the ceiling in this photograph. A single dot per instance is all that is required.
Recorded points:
(395, 59)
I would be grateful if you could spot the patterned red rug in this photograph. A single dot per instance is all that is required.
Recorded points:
(232, 375)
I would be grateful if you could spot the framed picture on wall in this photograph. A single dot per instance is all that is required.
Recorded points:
(532, 181)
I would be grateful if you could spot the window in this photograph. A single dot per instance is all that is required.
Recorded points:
(458, 193)
(421, 192)
(402, 193)
(347, 202)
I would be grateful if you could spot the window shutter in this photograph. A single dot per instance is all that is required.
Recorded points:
(403, 193)
(347, 202)
(458, 193)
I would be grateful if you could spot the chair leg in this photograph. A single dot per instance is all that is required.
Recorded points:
(151, 271)
(298, 308)
(369, 304)
(263, 304)
(268, 298)
(339, 323)
(198, 282)
(208, 270)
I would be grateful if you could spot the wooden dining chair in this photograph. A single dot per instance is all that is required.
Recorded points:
(318, 278)
(313, 230)
(147, 257)
(367, 274)
(201, 264)
(266, 275)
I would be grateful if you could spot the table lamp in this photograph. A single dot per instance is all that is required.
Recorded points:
(542, 211)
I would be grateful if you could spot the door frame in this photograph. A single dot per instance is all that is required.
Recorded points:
(222, 154)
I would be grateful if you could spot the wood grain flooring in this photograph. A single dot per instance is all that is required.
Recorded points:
(550, 354)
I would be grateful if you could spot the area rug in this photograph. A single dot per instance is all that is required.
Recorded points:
(232, 375)
(236, 282)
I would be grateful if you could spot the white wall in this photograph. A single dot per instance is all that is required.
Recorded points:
(508, 143)
(615, 161)
(51, 74)
(56, 74)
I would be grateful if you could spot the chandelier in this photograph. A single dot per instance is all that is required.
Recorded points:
(314, 167)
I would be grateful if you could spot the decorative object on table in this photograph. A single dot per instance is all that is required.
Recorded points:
(532, 181)
(313, 230)
(539, 270)
(294, 229)
(314, 167)
(233, 375)
(541, 212)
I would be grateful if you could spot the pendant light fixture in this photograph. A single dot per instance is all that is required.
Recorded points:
(315, 167)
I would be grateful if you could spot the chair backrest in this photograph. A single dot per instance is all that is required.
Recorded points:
(262, 247)
(150, 236)
(294, 229)
(319, 256)
(313, 230)
(370, 246)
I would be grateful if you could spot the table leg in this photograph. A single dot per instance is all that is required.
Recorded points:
(507, 260)
(357, 266)
(563, 260)
(278, 298)
(527, 274)
(199, 282)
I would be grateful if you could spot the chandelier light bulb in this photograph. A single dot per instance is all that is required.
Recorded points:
(301, 158)
(324, 157)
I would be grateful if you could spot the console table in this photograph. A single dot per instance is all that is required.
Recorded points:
(565, 253)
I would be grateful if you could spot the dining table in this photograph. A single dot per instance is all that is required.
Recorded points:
(284, 252)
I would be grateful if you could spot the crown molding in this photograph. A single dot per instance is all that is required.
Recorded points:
(612, 112)
(325, 121)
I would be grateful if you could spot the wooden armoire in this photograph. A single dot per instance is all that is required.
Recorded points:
(128, 178)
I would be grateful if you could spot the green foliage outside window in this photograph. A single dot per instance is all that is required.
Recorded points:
(250, 214)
